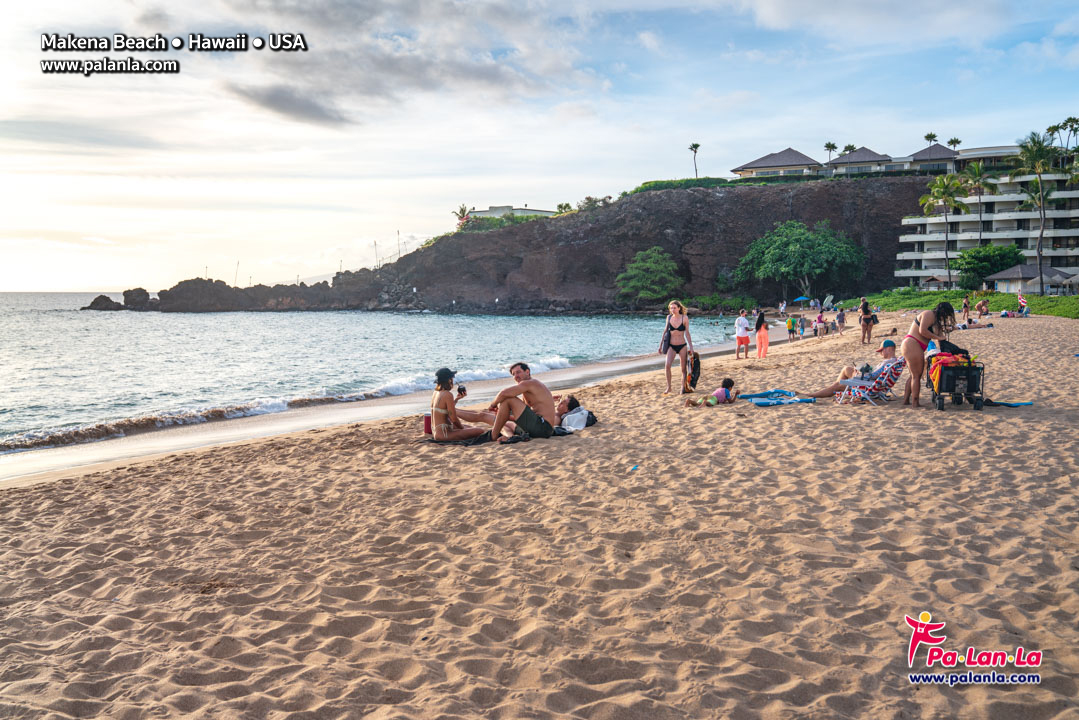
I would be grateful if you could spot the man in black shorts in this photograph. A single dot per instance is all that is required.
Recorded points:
(535, 414)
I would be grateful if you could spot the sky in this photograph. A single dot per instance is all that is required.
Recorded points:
(265, 166)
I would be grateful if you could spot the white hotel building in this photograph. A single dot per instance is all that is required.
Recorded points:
(921, 255)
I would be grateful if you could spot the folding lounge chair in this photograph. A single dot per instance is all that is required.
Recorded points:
(871, 390)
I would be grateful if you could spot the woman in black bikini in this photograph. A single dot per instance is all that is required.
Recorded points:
(928, 325)
(678, 324)
(866, 321)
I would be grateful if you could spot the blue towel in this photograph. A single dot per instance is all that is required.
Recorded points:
(771, 394)
(771, 402)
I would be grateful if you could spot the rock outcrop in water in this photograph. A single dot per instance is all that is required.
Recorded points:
(570, 263)
(103, 302)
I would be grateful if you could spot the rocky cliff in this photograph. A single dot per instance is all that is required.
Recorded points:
(570, 263)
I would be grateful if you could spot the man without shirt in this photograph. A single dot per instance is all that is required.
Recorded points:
(535, 414)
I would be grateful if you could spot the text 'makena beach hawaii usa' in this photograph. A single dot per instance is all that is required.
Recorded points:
(489, 360)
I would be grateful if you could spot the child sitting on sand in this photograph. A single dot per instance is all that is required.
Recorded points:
(725, 393)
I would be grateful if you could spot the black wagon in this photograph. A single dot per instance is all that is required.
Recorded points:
(964, 381)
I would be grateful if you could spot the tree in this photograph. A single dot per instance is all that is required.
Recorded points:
(944, 190)
(976, 264)
(976, 180)
(810, 259)
(1053, 131)
(592, 203)
(849, 148)
(831, 147)
(954, 143)
(1036, 155)
(693, 147)
(563, 208)
(651, 276)
(930, 138)
(462, 212)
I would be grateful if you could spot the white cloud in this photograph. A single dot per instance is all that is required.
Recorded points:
(649, 41)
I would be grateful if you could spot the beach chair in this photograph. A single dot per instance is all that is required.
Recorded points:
(870, 391)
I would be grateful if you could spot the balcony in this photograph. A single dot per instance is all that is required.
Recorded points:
(915, 272)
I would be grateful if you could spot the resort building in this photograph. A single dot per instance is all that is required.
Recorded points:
(862, 160)
(1024, 278)
(500, 210)
(994, 218)
(784, 162)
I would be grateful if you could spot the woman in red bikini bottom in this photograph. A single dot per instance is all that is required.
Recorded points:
(928, 325)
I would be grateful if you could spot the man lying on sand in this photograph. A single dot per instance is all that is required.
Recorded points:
(887, 352)
(535, 414)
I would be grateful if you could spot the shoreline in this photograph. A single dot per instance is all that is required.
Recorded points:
(20, 468)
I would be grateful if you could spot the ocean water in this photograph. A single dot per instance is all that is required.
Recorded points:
(68, 376)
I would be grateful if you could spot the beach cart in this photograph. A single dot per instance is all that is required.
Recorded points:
(963, 380)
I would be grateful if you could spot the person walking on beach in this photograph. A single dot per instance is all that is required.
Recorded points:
(792, 332)
(762, 336)
(445, 425)
(535, 414)
(966, 309)
(741, 334)
(782, 308)
(840, 321)
(801, 327)
(681, 344)
(928, 325)
(866, 320)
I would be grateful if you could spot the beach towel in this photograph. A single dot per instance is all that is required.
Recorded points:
(998, 403)
(769, 394)
(772, 402)
(478, 440)
(694, 371)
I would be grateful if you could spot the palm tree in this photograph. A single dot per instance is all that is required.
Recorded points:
(1053, 131)
(976, 180)
(831, 147)
(847, 150)
(461, 212)
(954, 143)
(1036, 155)
(930, 138)
(1038, 198)
(693, 149)
(944, 190)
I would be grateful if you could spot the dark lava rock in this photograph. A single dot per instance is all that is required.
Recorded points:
(569, 263)
(137, 299)
(103, 302)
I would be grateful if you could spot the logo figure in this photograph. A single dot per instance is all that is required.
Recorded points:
(923, 633)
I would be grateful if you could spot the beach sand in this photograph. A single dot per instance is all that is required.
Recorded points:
(665, 563)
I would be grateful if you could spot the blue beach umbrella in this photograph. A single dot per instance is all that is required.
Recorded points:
(799, 300)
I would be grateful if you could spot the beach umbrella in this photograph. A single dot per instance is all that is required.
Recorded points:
(799, 300)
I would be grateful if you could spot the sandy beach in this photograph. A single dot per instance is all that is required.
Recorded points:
(733, 562)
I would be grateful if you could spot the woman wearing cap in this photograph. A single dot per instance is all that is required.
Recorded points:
(445, 425)
(928, 325)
